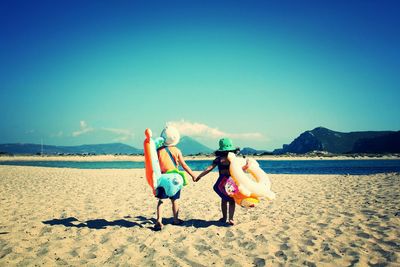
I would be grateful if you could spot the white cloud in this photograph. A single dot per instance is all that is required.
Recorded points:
(195, 129)
(122, 134)
(84, 129)
(59, 134)
(83, 124)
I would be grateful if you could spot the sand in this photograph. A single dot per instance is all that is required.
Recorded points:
(53, 216)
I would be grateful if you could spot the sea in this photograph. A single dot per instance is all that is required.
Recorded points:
(350, 167)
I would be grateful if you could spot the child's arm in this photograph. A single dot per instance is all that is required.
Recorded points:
(186, 167)
(206, 171)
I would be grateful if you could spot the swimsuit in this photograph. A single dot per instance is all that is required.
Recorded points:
(160, 193)
(219, 186)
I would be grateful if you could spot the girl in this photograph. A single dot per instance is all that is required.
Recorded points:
(221, 160)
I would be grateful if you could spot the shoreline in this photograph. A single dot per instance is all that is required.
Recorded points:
(140, 158)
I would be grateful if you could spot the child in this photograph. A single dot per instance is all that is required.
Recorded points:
(225, 146)
(170, 157)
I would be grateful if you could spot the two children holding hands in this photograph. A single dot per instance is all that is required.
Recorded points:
(170, 157)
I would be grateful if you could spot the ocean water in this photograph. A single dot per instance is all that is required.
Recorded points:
(352, 167)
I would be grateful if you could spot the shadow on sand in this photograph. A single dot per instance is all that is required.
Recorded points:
(92, 224)
(197, 223)
(141, 222)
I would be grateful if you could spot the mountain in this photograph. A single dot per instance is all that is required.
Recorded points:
(252, 151)
(190, 146)
(114, 148)
(323, 139)
(383, 144)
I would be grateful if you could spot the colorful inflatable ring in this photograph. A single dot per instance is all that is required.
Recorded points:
(233, 191)
(181, 173)
(250, 189)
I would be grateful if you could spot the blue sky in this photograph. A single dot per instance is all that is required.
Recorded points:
(260, 72)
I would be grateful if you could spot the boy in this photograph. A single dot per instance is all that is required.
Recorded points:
(170, 157)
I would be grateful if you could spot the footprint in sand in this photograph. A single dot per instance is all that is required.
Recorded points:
(309, 242)
(42, 251)
(247, 245)
(93, 248)
(363, 235)
(60, 261)
(45, 230)
(259, 262)
(119, 251)
(261, 238)
(368, 212)
(280, 254)
(229, 236)
(393, 244)
(284, 247)
(202, 247)
(90, 256)
(390, 256)
(338, 232)
(132, 239)
(348, 214)
(335, 255)
(104, 238)
(73, 253)
(181, 253)
(230, 262)
(325, 247)
(4, 252)
(309, 264)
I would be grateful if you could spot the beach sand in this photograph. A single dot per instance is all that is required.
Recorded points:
(53, 216)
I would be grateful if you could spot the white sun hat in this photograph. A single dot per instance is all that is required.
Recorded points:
(171, 136)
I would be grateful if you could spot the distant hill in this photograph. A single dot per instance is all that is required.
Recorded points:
(323, 139)
(389, 143)
(252, 151)
(190, 146)
(114, 148)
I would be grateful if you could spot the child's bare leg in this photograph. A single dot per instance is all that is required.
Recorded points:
(224, 208)
(231, 212)
(159, 212)
(175, 210)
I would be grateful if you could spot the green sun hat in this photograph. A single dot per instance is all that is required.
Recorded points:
(226, 144)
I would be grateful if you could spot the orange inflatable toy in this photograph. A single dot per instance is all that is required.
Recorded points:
(151, 161)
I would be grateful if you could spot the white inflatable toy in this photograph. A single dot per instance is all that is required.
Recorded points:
(250, 188)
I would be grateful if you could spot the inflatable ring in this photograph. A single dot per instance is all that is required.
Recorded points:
(233, 191)
(250, 188)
